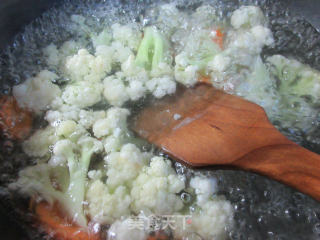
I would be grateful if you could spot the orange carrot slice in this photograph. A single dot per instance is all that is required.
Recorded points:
(14, 121)
(60, 227)
(219, 38)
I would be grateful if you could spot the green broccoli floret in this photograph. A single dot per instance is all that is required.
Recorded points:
(63, 184)
(295, 79)
(152, 49)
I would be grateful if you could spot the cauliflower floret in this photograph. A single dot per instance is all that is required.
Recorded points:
(161, 86)
(105, 52)
(258, 86)
(136, 90)
(38, 144)
(114, 142)
(68, 48)
(115, 91)
(263, 36)
(125, 85)
(113, 128)
(52, 55)
(71, 178)
(120, 52)
(163, 69)
(26, 185)
(61, 112)
(127, 35)
(82, 94)
(242, 39)
(204, 188)
(251, 41)
(136, 77)
(122, 230)
(103, 38)
(71, 130)
(219, 63)
(95, 174)
(102, 128)
(66, 128)
(212, 222)
(59, 152)
(247, 16)
(77, 66)
(295, 78)
(84, 66)
(198, 51)
(116, 119)
(88, 118)
(100, 67)
(105, 207)
(124, 166)
(91, 144)
(130, 69)
(37, 93)
(155, 185)
(230, 68)
(56, 57)
(187, 75)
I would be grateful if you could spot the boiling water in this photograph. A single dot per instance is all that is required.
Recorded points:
(264, 209)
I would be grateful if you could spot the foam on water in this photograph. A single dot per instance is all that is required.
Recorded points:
(264, 209)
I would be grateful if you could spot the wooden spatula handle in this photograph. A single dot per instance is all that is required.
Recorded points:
(287, 163)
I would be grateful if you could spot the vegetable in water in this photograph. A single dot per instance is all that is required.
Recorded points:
(71, 178)
(295, 79)
(200, 48)
(14, 121)
(54, 222)
(152, 49)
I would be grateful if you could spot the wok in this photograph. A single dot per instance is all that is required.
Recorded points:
(15, 14)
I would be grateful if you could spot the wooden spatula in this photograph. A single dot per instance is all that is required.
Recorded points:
(203, 126)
